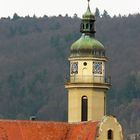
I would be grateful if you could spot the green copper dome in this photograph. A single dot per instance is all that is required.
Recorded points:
(87, 46)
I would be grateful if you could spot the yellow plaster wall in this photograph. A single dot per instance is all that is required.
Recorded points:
(106, 124)
(89, 67)
(88, 76)
(95, 104)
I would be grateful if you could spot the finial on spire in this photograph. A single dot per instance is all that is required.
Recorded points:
(88, 1)
(88, 4)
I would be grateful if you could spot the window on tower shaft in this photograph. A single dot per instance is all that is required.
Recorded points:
(84, 108)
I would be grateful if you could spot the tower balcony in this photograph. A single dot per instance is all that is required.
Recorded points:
(89, 79)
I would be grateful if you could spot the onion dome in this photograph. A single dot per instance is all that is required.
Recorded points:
(87, 45)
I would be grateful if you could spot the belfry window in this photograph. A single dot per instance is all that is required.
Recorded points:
(91, 26)
(84, 108)
(74, 67)
(110, 135)
(83, 26)
(87, 26)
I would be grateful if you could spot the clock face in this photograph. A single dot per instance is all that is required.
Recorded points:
(74, 68)
(97, 67)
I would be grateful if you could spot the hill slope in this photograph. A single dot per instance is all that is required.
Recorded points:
(33, 64)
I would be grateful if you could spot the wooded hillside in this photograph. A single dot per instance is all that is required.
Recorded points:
(32, 48)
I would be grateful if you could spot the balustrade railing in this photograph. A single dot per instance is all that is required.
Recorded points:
(88, 79)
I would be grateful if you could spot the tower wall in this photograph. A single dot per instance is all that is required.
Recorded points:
(85, 73)
(96, 104)
(87, 83)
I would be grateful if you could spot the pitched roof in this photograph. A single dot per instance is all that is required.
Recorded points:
(41, 130)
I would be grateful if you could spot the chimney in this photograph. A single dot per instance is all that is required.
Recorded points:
(32, 118)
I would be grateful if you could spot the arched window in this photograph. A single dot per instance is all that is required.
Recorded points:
(87, 26)
(84, 108)
(91, 26)
(83, 26)
(110, 135)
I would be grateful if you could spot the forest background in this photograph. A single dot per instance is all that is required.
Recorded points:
(34, 65)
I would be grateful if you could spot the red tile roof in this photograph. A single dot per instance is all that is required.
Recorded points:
(41, 130)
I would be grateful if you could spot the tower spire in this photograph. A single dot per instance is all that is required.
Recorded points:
(88, 4)
(87, 25)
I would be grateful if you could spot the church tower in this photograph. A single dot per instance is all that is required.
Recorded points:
(87, 85)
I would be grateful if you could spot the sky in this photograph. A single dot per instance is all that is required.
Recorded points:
(63, 7)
